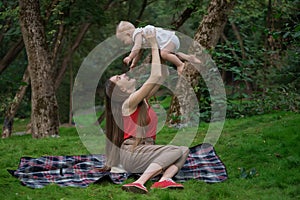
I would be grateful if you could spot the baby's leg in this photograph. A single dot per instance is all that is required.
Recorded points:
(190, 58)
(168, 54)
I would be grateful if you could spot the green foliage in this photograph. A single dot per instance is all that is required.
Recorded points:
(274, 84)
(9, 16)
(256, 83)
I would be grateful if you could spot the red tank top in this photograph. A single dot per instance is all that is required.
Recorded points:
(130, 124)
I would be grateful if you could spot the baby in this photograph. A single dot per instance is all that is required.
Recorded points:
(167, 41)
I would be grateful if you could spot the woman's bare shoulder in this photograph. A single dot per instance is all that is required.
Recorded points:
(127, 110)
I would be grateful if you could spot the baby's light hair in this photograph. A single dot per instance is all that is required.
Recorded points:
(124, 26)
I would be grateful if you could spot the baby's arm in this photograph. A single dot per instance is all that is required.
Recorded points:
(136, 59)
(134, 54)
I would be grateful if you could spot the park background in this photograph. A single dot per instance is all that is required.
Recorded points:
(254, 44)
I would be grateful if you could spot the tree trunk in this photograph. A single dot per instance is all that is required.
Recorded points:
(186, 14)
(212, 25)
(81, 33)
(44, 112)
(273, 44)
(239, 38)
(11, 55)
(11, 111)
(207, 35)
(144, 5)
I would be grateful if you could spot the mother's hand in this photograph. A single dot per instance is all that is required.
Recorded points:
(150, 35)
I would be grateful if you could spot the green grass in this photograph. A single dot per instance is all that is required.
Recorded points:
(267, 143)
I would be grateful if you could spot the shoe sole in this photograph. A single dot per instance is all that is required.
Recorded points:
(134, 189)
(170, 187)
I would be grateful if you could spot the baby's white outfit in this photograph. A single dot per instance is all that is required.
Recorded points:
(163, 37)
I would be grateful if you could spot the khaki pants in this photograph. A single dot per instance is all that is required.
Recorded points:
(137, 160)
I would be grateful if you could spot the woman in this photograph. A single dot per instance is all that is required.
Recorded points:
(131, 129)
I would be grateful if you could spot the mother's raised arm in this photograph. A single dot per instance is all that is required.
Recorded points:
(157, 76)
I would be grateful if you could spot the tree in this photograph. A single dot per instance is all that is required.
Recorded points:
(13, 107)
(44, 112)
(207, 35)
(60, 28)
(7, 59)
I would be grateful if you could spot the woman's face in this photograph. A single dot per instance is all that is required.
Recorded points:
(124, 82)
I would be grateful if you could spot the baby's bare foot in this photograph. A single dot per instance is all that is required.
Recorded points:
(194, 59)
(188, 57)
(180, 69)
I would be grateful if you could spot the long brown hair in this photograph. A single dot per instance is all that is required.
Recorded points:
(114, 98)
(113, 128)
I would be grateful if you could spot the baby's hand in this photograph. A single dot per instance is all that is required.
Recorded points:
(127, 60)
(132, 66)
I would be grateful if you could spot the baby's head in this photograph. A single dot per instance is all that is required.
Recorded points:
(124, 32)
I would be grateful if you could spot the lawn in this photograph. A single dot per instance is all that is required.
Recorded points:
(261, 153)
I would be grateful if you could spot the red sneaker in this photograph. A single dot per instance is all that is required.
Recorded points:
(135, 188)
(166, 184)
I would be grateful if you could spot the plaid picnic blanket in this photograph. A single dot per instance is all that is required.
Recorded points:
(80, 171)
